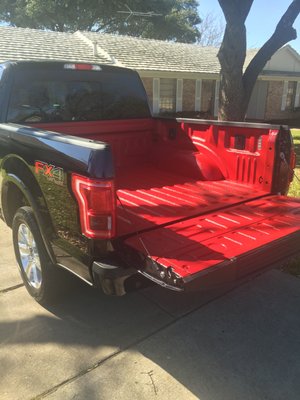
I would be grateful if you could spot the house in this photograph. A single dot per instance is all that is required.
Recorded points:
(177, 77)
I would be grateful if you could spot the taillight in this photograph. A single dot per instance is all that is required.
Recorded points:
(97, 206)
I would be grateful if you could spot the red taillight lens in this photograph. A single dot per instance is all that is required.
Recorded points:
(97, 205)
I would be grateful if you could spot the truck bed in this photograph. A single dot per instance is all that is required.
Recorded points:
(195, 198)
(161, 179)
(148, 197)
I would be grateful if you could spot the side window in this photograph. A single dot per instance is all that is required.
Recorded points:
(1, 71)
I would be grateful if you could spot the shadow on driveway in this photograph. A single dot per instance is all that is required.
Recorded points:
(244, 345)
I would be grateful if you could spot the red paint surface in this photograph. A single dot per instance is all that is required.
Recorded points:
(150, 197)
(199, 151)
(259, 227)
(209, 185)
(166, 171)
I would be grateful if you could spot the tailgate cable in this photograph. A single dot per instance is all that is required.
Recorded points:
(154, 264)
(282, 156)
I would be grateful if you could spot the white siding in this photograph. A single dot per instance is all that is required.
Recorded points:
(283, 60)
(257, 104)
(217, 94)
(156, 90)
(297, 96)
(284, 95)
(179, 90)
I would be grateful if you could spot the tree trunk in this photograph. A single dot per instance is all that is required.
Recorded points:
(236, 88)
(284, 33)
(232, 57)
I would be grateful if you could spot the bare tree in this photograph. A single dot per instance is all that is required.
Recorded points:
(236, 86)
(211, 30)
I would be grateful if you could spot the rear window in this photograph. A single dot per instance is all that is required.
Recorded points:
(64, 96)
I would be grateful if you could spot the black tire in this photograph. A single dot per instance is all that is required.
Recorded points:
(41, 278)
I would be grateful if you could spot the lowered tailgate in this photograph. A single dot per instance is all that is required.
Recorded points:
(224, 245)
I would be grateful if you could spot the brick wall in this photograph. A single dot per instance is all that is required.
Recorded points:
(273, 106)
(188, 95)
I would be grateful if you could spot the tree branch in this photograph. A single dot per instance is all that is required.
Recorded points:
(104, 25)
(283, 33)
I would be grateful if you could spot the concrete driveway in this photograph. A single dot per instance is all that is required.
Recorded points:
(153, 344)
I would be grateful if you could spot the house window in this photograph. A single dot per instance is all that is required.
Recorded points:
(167, 101)
(290, 95)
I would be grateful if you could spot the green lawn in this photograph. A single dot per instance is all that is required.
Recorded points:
(295, 186)
(293, 267)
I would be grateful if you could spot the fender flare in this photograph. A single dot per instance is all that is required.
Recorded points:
(11, 178)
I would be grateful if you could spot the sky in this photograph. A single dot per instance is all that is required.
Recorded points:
(261, 22)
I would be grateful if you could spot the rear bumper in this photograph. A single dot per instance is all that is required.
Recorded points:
(117, 280)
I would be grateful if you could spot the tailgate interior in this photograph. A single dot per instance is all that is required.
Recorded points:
(247, 237)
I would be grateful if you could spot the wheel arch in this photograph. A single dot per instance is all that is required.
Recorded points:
(20, 188)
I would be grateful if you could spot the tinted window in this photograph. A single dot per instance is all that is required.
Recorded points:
(76, 96)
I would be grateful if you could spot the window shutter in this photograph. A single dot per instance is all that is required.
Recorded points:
(198, 95)
(217, 94)
(284, 95)
(179, 90)
(156, 95)
(297, 96)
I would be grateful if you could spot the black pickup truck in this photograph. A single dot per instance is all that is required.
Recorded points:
(92, 183)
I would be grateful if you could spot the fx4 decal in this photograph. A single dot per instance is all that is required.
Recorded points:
(51, 172)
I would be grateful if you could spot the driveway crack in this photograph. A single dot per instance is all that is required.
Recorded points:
(150, 374)
(11, 288)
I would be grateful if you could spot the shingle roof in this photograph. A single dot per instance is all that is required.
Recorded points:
(31, 44)
(135, 53)
(147, 54)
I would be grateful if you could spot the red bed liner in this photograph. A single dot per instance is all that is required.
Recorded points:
(248, 237)
(149, 197)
